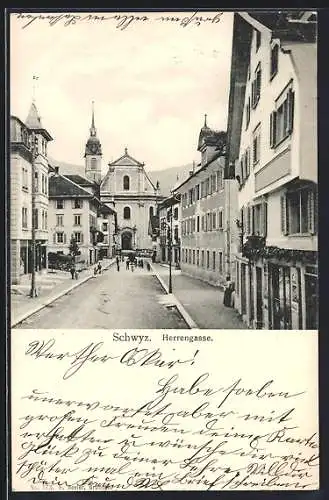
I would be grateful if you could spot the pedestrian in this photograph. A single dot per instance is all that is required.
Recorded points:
(228, 290)
(72, 271)
(95, 271)
(127, 264)
(99, 267)
(148, 266)
(76, 274)
(118, 263)
(132, 265)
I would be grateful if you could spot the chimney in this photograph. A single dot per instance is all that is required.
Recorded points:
(56, 170)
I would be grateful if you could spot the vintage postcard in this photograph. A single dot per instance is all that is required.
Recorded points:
(163, 250)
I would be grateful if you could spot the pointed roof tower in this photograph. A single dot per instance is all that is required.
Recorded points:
(93, 145)
(33, 122)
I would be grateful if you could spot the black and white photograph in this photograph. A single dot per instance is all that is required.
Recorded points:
(163, 265)
(163, 170)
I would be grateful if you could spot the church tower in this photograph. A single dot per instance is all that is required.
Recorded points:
(93, 154)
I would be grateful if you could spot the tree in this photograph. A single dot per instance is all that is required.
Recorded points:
(73, 248)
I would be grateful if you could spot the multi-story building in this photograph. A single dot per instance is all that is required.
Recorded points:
(169, 211)
(208, 211)
(272, 140)
(75, 211)
(21, 193)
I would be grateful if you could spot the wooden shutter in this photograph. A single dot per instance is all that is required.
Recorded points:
(64, 238)
(311, 209)
(272, 129)
(284, 218)
(54, 237)
(291, 106)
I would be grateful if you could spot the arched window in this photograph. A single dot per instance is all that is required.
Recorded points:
(126, 212)
(151, 212)
(126, 182)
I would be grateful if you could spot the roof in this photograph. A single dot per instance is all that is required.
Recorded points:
(61, 186)
(170, 201)
(215, 157)
(78, 179)
(287, 25)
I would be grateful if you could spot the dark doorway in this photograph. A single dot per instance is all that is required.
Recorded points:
(259, 297)
(126, 241)
(311, 298)
(243, 289)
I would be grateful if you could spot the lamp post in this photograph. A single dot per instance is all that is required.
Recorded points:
(33, 291)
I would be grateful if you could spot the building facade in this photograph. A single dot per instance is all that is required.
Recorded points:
(169, 211)
(22, 153)
(76, 212)
(128, 189)
(272, 141)
(208, 211)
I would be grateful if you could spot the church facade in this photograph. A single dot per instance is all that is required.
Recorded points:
(128, 190)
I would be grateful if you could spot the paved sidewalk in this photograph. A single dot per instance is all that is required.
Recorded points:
(203, 302)
(51, 286)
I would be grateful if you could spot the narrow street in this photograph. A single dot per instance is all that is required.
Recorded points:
(123, 299)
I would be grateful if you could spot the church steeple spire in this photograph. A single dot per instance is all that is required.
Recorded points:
(92, 128)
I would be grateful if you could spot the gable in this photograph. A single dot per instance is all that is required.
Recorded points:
(125, 161)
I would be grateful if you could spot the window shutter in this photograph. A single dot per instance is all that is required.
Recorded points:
(291, 102)
(54, 237)
(81, 237)
(64, 239)
(247, 219)
(271, 130)
(284, 218)
(259, 82)
(311, 212)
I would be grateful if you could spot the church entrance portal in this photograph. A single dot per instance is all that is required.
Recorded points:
(126, 241)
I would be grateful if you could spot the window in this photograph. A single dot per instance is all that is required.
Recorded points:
(151, 211)
(214, 186)
(189, 256)
(59, 220)
(202, 258)
(60, 204)
(176, 213)
(126, 183)
(274, 60)
(220, 262)
(202, 223)
(24, 179)
(42, 219)
(220, 179)
(105, 227)
(60, 237)
(93, 163)
(24, 218)
(46, 219)
(214, 220)
(208, 260)
(78, 237)
(247, 111)
(193, 257)
(197, 192)
(220, 219)
(126, 213)
(36, 182)
(258, 39)
(190, 196)
(214, 261)
(256, 146)
(256, 87)
(198, 223)
(77, 203)
(197, 257)
(77, 220)
(259, 219)
(281, 119)
(299, 212)
(176, 234)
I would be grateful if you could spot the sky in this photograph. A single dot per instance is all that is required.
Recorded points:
(152, 81)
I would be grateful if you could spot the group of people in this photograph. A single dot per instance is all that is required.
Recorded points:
(131, 263)
(98, 269)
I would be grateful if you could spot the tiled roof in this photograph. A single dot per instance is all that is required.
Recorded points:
(61, 186)
(78, 179)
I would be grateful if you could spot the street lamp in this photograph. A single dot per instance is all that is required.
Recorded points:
(33, 291)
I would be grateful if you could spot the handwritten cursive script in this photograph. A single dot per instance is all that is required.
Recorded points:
(120, 21)
(109, 416)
